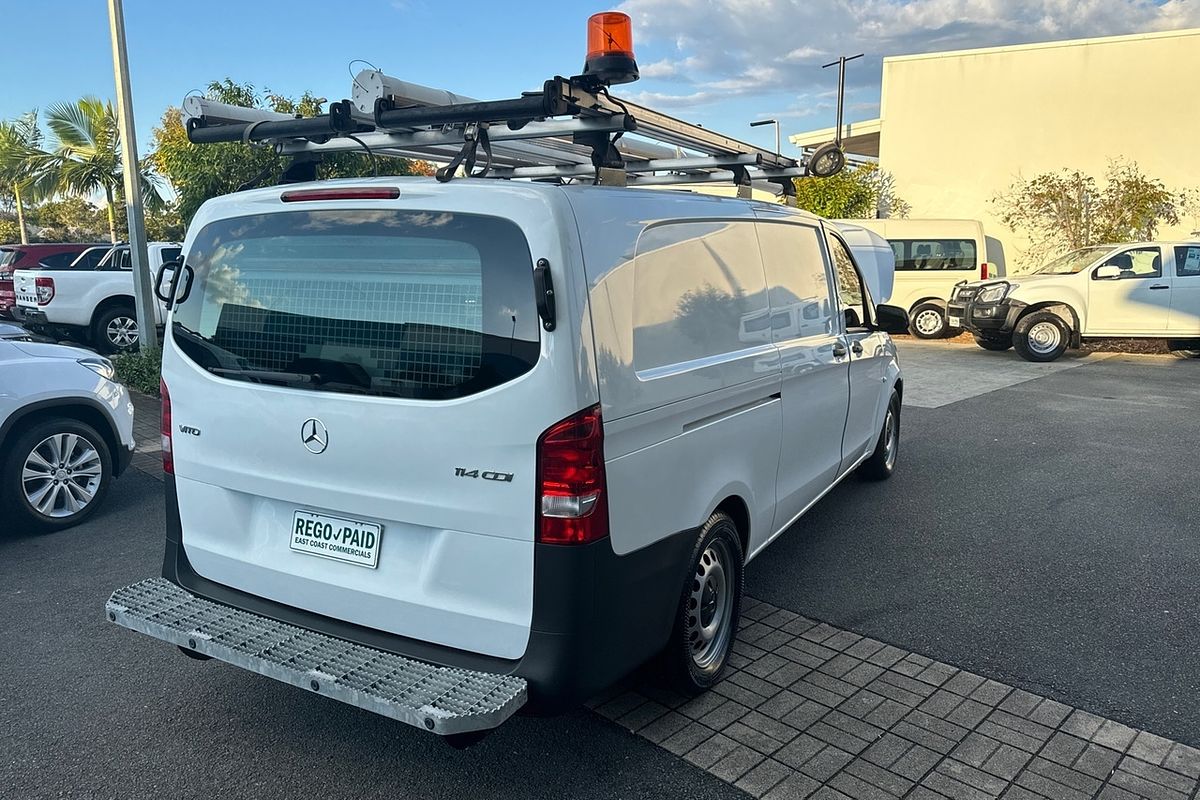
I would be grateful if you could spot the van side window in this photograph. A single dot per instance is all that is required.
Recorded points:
(934, 254)
(851, 293)
(797, 283)
(1187, 261)
(695, 283)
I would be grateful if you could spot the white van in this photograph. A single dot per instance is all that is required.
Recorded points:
(437, 450)
(932, 255)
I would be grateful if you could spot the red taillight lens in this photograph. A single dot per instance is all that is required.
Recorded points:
(168, 453)
(45, 290)
(364, 193)
(572, 506)
(983, 271)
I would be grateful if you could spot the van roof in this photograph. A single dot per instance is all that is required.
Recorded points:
(472, 185)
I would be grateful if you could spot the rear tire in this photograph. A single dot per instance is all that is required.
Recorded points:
(928, 321)
(882, 462)
(115, 330)
(997, 344)
(55, 476)
(706, 621)
(1041, 336)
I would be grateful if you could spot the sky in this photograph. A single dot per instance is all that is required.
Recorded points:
(720, 63)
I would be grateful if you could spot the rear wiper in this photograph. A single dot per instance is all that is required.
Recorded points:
(268, 375)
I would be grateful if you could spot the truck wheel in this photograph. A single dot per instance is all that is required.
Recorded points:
(928, 321)
(995, 343)
(882, 463)
(1041, 336)
(56, 475)
(709, 607)
(115, 330)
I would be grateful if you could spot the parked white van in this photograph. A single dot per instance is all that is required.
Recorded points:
(1143, 290)
(439, 449)
(932, 255)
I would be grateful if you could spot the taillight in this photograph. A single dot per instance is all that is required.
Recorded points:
(983, 271)
(45, 290)
(168, 454)
(572, 507)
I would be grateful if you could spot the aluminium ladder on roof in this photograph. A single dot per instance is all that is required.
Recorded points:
(571, 130)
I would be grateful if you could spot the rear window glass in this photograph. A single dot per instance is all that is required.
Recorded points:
(9, 257)
(427, 305)
(934, 254)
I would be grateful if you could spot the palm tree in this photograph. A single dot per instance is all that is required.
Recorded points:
(24, 166)
(87, 156)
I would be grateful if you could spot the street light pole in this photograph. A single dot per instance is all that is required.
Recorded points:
(142, 290)
(774, 122)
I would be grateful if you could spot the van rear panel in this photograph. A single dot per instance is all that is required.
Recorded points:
(356, 397)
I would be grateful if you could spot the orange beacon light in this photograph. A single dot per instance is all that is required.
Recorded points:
(610, 48)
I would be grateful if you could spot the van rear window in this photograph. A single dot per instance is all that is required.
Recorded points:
(427, 305)
(934, 254)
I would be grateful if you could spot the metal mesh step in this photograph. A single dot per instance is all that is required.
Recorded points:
(444, 700)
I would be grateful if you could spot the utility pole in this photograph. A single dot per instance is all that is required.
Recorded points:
(142, 286)
(774, 122)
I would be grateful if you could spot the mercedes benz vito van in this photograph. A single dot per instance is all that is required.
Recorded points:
(437, 450)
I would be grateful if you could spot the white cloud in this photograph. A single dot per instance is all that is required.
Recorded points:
(710, 50)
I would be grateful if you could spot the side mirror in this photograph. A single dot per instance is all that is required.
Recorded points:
(1107, 272)
(891, 319)
(850, 315)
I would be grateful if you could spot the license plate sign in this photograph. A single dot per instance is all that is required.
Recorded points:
(955, 322)
(348, 540)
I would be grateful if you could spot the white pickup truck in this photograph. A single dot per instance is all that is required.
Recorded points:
(94, 306)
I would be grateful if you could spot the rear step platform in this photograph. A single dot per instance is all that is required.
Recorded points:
(443, 700)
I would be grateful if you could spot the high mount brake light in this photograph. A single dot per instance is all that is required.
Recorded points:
(572, 504)
(610, 48)
(168, 455)
(983, 271)
(363, 193)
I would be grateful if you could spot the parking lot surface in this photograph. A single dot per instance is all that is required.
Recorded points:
(951, 632)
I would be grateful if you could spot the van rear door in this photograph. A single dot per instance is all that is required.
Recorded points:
(355, 411)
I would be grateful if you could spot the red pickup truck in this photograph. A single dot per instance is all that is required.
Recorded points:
(13, 257)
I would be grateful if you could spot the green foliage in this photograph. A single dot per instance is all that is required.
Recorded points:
(1068, 209)
(72, 219)
(87, 157)
(200, 172)
(140, 371)
(860, 192)
(10, 231)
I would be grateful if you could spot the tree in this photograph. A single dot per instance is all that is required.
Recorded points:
(859, 192)
(69, 219)
(1069, 209)
(200, 172)
(23, 165)
(87, 157)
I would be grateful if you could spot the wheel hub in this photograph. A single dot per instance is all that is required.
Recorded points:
(61, 475)
(710, 606)
(929, 322)
(1044, 337)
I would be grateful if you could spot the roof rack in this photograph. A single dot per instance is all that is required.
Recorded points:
(571, 130)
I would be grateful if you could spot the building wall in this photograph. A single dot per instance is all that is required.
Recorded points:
(959, 128)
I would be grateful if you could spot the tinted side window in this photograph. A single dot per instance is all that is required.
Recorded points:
(695, 285)
(58, 260)
(934, 254)
(797, 283)
(1187, 261)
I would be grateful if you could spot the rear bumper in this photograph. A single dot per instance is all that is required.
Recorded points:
(597, 616)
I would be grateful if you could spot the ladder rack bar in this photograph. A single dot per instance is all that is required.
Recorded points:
(633, 167)
(717, 176)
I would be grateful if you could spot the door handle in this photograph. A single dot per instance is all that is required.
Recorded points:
(839, 350)
(856, 348)
(1160, 286)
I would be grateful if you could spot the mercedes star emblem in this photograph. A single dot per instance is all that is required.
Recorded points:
(314, 435)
